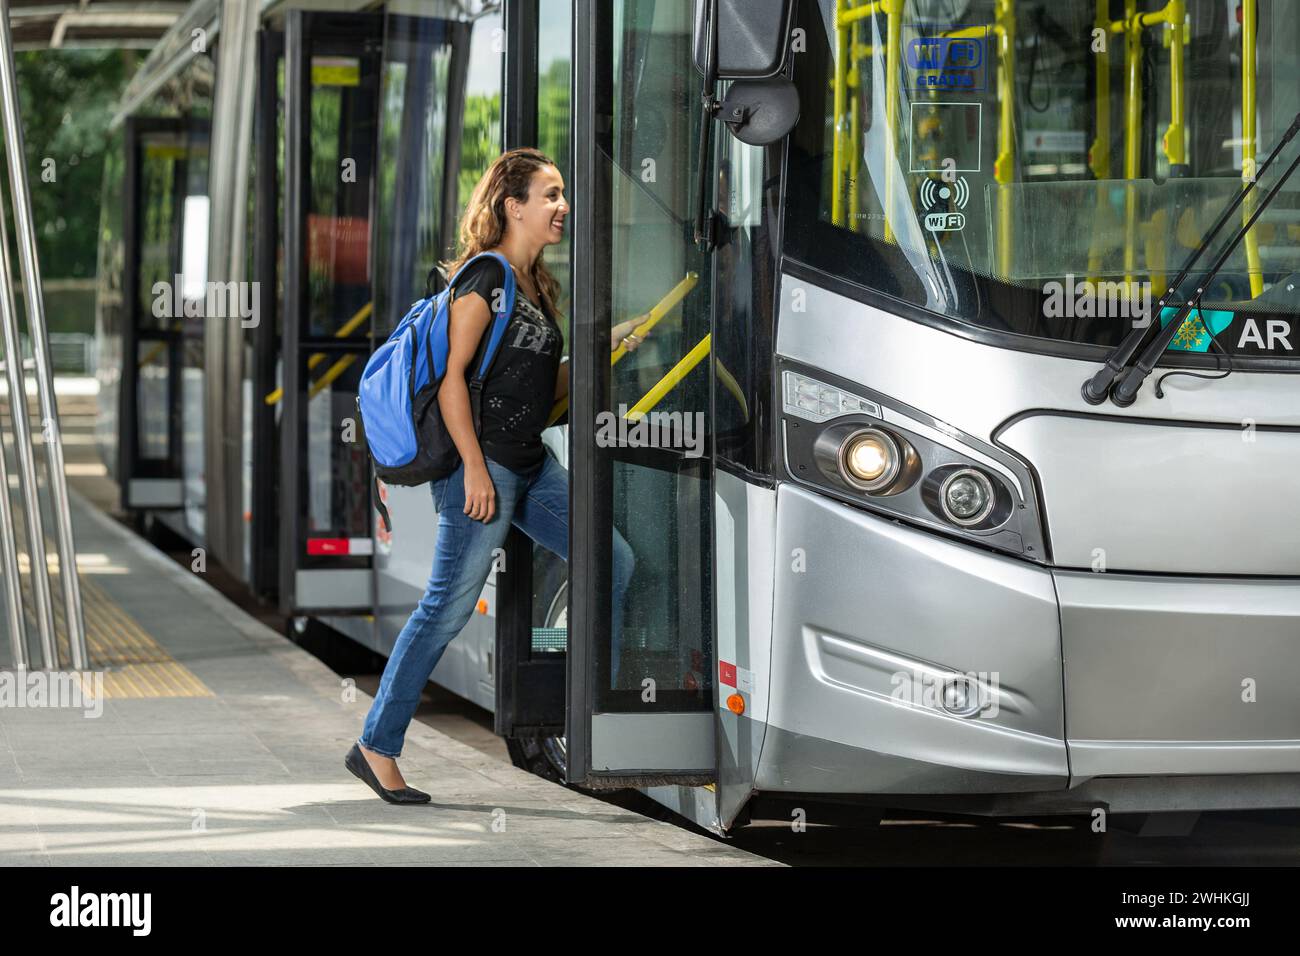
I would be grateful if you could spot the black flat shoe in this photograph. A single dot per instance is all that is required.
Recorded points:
(356, 762)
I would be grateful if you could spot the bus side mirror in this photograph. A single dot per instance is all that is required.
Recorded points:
(746, 41)
(760, 112)
(753, 36)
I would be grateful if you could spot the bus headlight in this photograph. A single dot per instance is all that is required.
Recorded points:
(870, 459)
(966, 497)
(866, 459)
(853, 443)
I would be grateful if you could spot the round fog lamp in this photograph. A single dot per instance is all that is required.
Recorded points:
(967, 497)
(870, 459)
(961, 698)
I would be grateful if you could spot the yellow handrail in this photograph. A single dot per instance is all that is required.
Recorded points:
(680, 371)
(1174, 14)
(1132, 130)
(669, 381)
(844, 142)
(346, 329)
(334, 371)
(838, 138)
(1004, 170)
(652, 318)
(1249, 30)
(893, 67)
(731, 385)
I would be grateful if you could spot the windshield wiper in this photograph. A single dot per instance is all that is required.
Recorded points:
(1098, 387)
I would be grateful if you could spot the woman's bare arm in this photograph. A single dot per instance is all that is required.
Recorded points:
(468, 321)
(620, 334)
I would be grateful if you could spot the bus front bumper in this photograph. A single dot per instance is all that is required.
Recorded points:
(1076, 675)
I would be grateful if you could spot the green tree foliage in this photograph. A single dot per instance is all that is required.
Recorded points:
(553, 114)
(68, 98)
(480, 142)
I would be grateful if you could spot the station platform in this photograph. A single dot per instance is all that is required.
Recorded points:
(220, 742)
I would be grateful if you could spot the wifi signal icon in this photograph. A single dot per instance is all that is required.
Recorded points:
(934, 191)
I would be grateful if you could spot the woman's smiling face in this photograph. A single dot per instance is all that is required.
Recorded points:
(541, 217)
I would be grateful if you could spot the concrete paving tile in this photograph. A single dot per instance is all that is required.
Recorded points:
(181, 765)
(20, 840)
(75, 741)
(530, 864)
(441, 845)
(211, 746)
(295, 859)
(75, 723)
(261, 764)
(269, 843)
(63, 767)
(24, 859)
(128, 858)
(158, 712)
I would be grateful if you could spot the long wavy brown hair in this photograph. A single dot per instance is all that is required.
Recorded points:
(484, 222)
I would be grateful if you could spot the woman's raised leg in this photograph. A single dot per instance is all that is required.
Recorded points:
(462, 559)
(543, 515)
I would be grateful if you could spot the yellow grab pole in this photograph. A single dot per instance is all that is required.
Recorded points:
(334, 371)
(1004, 167)
(669, 381)
(855, 133)
(1249, 28)
(1132, 131)
(841, 99)
(1099, 153)
(893, 65)
(865, 12)
(731, 385)
(346, 329)
(652, 318)
(1175, 15)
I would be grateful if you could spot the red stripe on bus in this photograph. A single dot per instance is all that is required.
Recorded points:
(327, 545)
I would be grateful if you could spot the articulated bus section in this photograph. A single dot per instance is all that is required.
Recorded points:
(887, 548)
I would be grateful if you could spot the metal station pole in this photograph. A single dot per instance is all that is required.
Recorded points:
(52, 437)
(9, 555)
(37, 564)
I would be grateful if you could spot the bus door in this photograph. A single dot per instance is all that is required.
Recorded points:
(641, 657)
(332, 98)
(165, 224)
(261, 465)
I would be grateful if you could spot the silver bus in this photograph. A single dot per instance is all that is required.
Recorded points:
(888, 549)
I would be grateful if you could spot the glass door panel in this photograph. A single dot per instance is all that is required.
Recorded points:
(657, 402)
(332, 64)
(640, 420)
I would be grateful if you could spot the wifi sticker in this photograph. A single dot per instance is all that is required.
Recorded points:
(935, 191)
(938, 193)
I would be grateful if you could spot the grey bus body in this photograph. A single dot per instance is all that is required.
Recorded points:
(1119, 634)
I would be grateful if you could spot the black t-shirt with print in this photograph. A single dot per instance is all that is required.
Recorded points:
(520, 388)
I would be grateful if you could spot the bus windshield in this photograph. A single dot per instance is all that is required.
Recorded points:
(1044, 169)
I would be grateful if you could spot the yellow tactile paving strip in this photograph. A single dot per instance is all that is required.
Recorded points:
(132, 662)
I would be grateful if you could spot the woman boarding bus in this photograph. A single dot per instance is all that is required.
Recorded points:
(506, 475)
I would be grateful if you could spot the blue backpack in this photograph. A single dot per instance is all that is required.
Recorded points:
(397, 398)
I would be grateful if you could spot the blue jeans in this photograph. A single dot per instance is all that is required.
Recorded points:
(537, 503)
